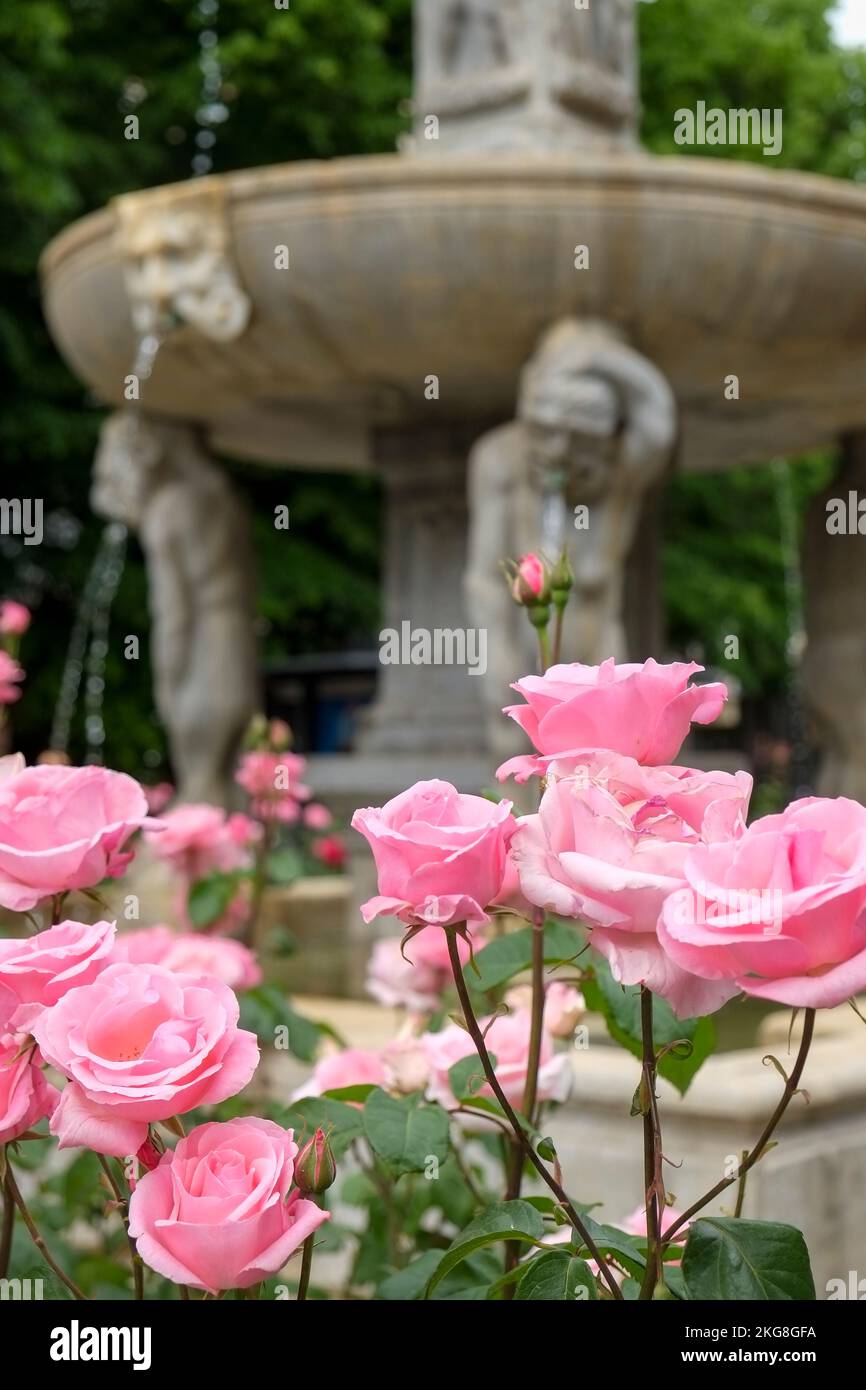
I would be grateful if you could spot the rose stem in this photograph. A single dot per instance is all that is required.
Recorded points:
(557, 634)
(741, 1185)
(6, 1230)
(123, 1205)
(481, 1048)
(306, 1265)
(749, 1162)
(49, 1259)
(260, 883)
(530, 1094)
(650, 1143)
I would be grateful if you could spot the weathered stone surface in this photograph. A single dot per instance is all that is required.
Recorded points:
(595, 428)
(531, 75)
(156, 477)
(834, 663)
(405, 267)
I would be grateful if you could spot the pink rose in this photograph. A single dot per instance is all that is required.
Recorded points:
(399, 983)
(272, 781)
(564, 1007)
(678, 803)
(191, 953)
(507, 1039)
(781, 912)
(635, 1224)
(63, 828)
(14, 618)
(11, 675)
(440, 855)
(25, 1096)
(158, 796)
(407, 1068)
(139, 1045)
(199, 839)
(584, 856)
(351, 1067)
(40, 969)
(217, 1213)
(316, 816)
(331, 851)
(643, 711)
(147, 946)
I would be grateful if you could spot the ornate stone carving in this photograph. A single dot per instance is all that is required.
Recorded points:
(524, 74)
(157, 478)
(595, 429)
(177, 261)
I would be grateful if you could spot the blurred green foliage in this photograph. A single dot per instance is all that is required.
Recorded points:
(320, 80)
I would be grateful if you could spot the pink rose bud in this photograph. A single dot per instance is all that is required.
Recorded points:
(315, 1167)
(530, 585)
(148, 1155)
(280, 735)
(14, 618)
(316, 816)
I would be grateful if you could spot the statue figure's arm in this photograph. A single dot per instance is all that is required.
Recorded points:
(649, 408)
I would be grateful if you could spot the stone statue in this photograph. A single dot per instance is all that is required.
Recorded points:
(524, 76)
(474, 36)
(156, 478)
(596, 426)
(178, 266)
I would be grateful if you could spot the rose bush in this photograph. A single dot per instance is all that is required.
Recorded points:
(635, 888)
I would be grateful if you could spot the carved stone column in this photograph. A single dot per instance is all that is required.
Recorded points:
(834, 665)
(426, 709)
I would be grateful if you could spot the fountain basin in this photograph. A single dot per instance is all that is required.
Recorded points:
(403, 268)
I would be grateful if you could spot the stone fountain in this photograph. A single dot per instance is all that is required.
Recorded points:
(520, 321)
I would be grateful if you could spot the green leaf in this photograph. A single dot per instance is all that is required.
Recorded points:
(266, 1009)
(285, 866)
(358, 1093)
(406, 1132)
(342, 1123)
(52, 1289)
(409, 1283)
(210, 897)
(611, 1241)
(502, 1221)
(510, 954)
(620, 1007)
(467, 1077)
(557, 1277)
(742, 1260)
